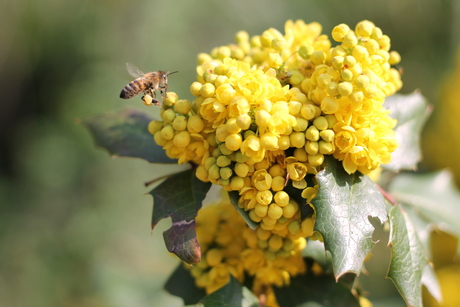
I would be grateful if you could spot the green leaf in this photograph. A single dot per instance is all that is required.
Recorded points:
(125, 133)
(343, 205)
(233, 294)
(423, 228)
(234, 197)
(430, 201)
(180, 197)
(411, 111)
(311, 290)
(407, 259)
(431, 196)
(182, 284)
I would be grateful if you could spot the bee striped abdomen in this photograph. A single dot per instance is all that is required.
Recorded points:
(133, 88)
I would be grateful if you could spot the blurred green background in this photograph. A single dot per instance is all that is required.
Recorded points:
(74, 224)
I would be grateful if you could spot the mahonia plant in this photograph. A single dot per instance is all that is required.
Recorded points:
(267, 111)
(290, 126)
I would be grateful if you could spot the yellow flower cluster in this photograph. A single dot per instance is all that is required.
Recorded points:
(229, 246)
(266, 112)
(270, 107)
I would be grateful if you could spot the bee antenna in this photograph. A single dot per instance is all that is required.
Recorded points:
(173, 72)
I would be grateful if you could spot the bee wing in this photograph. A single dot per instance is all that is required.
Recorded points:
(134, 71)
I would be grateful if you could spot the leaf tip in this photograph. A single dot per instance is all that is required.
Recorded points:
(347, 275)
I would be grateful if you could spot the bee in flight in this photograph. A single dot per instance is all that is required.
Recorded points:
(147, 83)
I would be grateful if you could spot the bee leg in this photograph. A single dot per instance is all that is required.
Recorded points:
(155, 101)
(164, 90)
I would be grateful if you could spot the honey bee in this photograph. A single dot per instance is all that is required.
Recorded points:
(147, 83)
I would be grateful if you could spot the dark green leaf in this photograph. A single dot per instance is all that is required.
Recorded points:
(343, 205)
(407, 259)
(180, 197)
(182, 284)
(233, 294)
(411, 111)
(311, 290)
(124, 133)
(234, 197)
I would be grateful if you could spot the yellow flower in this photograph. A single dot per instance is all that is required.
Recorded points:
(238, 105)
(297, 171)
(197, 151)
(345, 138)
(248, 199)
(252, 148)
(262, 180)
(281, 122)
(225, 93)
(213, 111)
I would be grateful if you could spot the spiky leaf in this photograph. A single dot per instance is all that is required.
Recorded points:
(343, 205)
(411, 111)
(180, 197)
(124, 133)
(407, 259)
